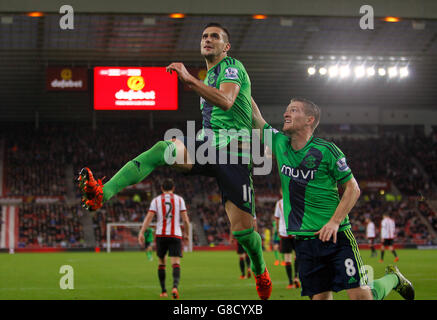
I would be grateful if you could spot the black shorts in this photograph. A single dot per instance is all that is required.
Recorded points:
(388, 242)
(329, 266)
(371, 240)
(167, 244)
(240, 249)
(234, 180)
(287, 245)
(147, 244)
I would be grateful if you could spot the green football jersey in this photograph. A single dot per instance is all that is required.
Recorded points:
(275, 231)
(309, 179)
(235, 123)
(148, 235)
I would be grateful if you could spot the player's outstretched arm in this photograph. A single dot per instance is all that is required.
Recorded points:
(224, 98)
(258, 121)
(347, 202)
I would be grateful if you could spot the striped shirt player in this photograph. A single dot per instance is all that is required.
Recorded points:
(371, 235)
(388, 233)
(370, 231)
(169, 208)
(388, 229)
(287, 245)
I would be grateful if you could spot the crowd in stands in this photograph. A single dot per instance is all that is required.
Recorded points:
(50, 225)
(36, 161)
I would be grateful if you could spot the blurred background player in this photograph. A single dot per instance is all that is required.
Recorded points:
(388, 228)
(226, 106)
(287, 245)
(276, 240)
(148, 241)
(310, 169)
(370, 235)
(169, 209)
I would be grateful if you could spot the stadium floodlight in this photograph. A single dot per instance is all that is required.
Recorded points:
(381, 72)
(403, 72)
(333, 71)
(370, 71)
(311, 71)
(359, 71)
(392, 72)
(323, 71)
(345, 71)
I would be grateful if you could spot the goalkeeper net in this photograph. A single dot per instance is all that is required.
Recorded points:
(124, 236)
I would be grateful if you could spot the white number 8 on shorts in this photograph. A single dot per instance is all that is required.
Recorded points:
(350, 268)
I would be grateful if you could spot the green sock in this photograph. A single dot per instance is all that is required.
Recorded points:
(149, 254)
(276, 254)
(382, 287)
(252, 243)
(138, 169)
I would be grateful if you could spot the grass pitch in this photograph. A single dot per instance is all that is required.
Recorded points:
(204, 276)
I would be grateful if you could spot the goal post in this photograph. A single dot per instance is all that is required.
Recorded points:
(124, 235)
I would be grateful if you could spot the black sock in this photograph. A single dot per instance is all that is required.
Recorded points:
(242, 266)
(372, 248)
(289, 271)
(161, 276)
(394, 253)
(176, 274)
(296, 268)
(382, 255)
(248, 261)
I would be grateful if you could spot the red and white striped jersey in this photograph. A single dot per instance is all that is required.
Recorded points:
(279, 213)
(387, 228)
(168, 208)
(370, 230)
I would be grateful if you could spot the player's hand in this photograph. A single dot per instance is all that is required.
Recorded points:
(182, 72)
(140, 238)
(329, 230)
(186, 238)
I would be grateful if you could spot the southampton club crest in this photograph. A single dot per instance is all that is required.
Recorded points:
(310, 162)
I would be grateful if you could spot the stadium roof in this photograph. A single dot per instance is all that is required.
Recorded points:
(276, 52)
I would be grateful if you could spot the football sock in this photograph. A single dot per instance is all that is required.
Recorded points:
(382, 255)
(276, 255)
(176, 274)
(382, 287)
(394, 253)
(149, 254)
(288, 271)
(247, 260)
(296, 268)
(139, 168)
(252, 243)
(242, 268)
(161, 276)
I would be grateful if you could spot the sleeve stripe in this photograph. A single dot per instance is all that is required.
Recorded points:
(344, 178)
(334, 152)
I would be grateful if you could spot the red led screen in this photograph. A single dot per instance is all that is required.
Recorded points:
(135, 88)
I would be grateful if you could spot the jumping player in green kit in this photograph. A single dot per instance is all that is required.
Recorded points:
(310, 169)
(225, 102)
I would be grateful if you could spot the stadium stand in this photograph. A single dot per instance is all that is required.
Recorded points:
(36, 167)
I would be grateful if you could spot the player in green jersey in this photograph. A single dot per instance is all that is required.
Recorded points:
(227, 120)
(148, 240)
(310, 169)
(276, 240)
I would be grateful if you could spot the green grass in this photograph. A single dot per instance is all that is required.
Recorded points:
(204, 276)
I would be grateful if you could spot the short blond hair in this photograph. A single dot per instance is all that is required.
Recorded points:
(310, 109)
